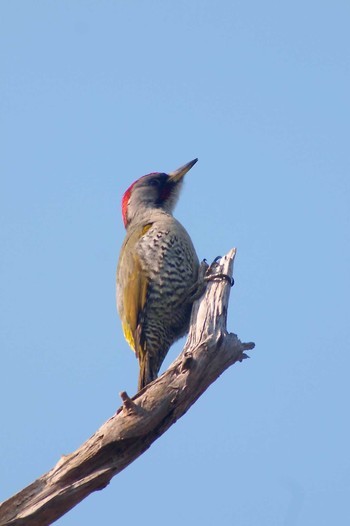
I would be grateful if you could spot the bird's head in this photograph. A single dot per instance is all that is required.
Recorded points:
(155, 190)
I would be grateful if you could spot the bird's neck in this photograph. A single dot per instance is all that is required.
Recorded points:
(148, 215)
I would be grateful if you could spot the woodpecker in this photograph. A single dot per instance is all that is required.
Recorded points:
(157, 268)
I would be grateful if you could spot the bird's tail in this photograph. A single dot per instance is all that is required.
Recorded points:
(148, 371)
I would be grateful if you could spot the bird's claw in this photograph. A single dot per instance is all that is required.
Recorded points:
(220, 276)
(214, 277)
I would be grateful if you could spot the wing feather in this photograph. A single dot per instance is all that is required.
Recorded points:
(133, 284)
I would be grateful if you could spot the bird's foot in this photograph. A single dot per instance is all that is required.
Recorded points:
(212, 275)
(206, 273)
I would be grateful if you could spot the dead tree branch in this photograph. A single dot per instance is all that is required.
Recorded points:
(209, 350)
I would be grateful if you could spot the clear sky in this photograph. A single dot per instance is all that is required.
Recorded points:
(95, 94)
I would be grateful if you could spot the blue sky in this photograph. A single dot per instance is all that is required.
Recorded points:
(94, 95)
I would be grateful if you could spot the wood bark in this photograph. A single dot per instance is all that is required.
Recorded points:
(208, 351)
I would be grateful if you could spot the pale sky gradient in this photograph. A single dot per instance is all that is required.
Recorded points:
(95, 94)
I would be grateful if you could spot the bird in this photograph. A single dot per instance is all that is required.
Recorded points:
(157, 270)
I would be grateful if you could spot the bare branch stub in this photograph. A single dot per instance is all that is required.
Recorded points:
(208, 351)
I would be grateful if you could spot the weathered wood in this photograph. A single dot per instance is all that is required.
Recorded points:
(209, 350)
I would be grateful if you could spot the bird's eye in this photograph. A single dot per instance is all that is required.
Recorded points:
(154, 182)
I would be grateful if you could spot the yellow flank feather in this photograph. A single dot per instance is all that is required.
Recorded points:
(128, 335)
